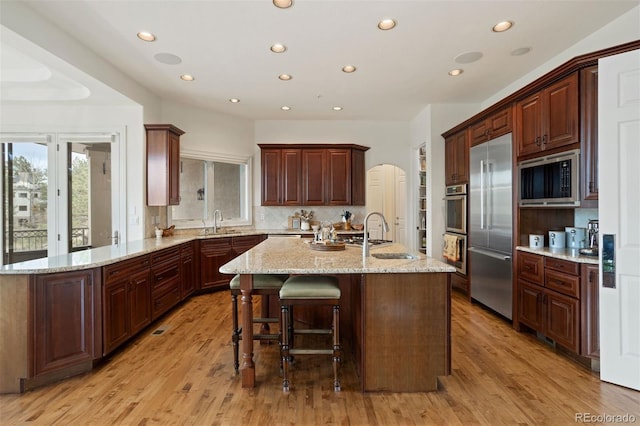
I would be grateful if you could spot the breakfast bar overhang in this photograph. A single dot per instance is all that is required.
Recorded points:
(399, 307)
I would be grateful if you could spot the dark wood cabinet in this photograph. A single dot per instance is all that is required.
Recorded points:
(313, 175)
(589, 136)
(165, 281)
(460, 282)
(456, 158)
(188, 270)
(65, 321)
(549, 298)
(589, 312)
(126, 301)
(214, 253)
(496, 125)
(163, 164)
(548, 119)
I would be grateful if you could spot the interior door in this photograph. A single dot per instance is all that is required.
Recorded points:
(375, 200)
(619, 282)
(400, 205)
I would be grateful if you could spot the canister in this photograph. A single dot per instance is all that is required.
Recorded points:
(536, 241)
(557, 239)
(576, 237)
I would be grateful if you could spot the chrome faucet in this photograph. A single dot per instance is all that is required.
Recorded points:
(216, 213)
(204, 228)
(365, 243)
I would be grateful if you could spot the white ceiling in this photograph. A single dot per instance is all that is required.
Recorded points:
(225, 46)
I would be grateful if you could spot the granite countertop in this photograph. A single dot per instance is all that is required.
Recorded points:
(106, 255)
(563, 253)
(295, 256)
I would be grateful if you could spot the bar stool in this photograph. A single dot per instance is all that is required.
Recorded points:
(263, 285)
(309, 290)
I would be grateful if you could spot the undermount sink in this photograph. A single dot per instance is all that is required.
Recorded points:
(394, 256)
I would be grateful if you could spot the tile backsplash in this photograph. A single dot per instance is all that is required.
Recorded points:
(278, 217)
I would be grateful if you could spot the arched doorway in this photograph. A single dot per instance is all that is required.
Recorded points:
(387, 194)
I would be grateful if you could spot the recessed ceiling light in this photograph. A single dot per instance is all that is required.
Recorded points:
(167, 58)
(283, 4)
(468, 57)
(187, 77)
(234, 100)
(285, 108)
(386, 24)
(521, 51)
(337, 108)
(348, 68)
(455, 72)
(285, 77)
(145, 36)
(278, 48)
(502, 26)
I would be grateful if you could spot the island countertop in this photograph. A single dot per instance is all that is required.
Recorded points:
(295, 256)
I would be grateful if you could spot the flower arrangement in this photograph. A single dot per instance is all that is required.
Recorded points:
(346, 216)
(306, 215)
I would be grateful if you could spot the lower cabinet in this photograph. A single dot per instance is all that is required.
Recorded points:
(165, 281)
(214, 253)
(188, 270)
(66, 333)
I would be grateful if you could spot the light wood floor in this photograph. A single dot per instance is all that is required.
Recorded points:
(185, 376)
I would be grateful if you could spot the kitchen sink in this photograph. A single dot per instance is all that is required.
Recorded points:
(394, 256)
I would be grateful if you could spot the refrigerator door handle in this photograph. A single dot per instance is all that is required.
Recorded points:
(482, 195)
(490, 254)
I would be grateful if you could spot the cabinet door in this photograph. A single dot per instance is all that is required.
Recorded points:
(561, 113)
(271, 181)
(64, 322)
(163, 164)
(174, 169)
(358, 178)
(561, 320)
(479, 132)
(589, 136)
(291, 176)
(139, 301)
(339, 179)
(500, 123)
(461, 158)
(188, 271)
(530, 305)
(531, 267)
(529, 125)
(314, 166)
(589, 314)
(115, 314)
(213, 254)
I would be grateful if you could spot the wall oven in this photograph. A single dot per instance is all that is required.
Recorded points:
(454, 248)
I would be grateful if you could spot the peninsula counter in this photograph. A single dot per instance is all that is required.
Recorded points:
(399, 308)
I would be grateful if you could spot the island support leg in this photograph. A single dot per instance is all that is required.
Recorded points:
(248, 369)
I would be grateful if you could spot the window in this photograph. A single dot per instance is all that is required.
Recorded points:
(22, 208)
(208, 183)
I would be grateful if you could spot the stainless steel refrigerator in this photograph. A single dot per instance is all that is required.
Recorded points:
(490, 224)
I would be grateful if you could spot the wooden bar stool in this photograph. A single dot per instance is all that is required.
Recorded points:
(263, 285)
(309, 290)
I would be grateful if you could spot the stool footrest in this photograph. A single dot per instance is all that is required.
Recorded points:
(311, 351)
(266, 320)
(313, 331)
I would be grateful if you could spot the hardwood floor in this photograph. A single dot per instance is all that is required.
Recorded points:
(185, 376)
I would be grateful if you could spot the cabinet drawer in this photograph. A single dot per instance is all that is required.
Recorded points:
(165, 255)
(161, 303)
(216, 245)
(124, 268)
(565, 266)
(562, 283)
(530, 267)
(165, 275)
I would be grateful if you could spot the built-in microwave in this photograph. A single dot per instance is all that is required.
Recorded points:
(550, 181)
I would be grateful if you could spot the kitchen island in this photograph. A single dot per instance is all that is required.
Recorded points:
(399, 308)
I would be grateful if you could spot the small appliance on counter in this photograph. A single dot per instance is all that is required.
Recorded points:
(576, 237)
(536, 241)
(557, 239)
(592, 229)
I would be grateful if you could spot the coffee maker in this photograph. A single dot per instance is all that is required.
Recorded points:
(592, 230)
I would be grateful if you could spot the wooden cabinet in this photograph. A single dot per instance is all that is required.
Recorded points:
(589, 313)
(494, 126)
(126, 301)
(549, 118)
(65, 321)
(456, 158)
(214, 253)
(165, 281)
(549, 298)
(163, 164)
(313, 175)
(589, 136)
(188, 270)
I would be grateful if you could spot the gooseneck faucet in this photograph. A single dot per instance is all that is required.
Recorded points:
(216, 213)
(365, 242)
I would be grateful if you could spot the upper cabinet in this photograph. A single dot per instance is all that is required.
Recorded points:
(589, 136)
(312, 175)
(548, 119)
(163, 164)
(495, 125)
(456, 158)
